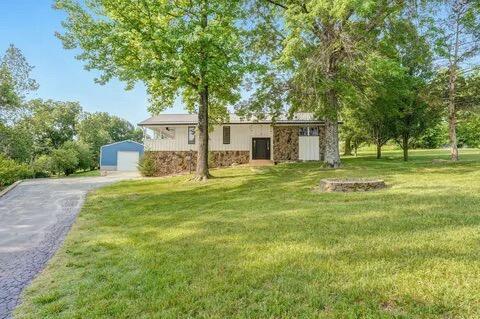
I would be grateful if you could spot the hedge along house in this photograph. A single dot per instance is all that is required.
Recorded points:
(170, 139)
(121, 156)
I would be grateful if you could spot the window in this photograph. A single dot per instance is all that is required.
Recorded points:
(226, 135)
(191, 135)
(303, 131)
(313, 131)
(308, 131)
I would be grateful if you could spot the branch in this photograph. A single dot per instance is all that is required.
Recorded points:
(277, 4)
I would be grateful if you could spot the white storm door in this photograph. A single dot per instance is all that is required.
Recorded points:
(309, 148)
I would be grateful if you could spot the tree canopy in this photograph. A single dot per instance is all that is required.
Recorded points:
(191, 49)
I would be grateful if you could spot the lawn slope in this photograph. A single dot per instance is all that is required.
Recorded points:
(259, 243)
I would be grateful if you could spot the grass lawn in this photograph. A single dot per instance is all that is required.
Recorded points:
(258, 243)
(94, 172)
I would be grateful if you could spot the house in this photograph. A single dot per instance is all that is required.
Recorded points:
(120, 156)
(170, 139)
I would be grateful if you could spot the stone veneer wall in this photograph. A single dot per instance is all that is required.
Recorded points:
(285, 143)
(228, 158)
(172, 162)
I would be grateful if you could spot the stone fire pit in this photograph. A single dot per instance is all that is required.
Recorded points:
(351, 185)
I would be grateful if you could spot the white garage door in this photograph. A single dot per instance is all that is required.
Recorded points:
(309, 148)
(127, 161)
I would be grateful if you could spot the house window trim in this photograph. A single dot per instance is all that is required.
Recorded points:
(191, 141)
(229, 135)
(309, 130)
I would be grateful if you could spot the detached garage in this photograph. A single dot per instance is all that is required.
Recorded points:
(120, 156)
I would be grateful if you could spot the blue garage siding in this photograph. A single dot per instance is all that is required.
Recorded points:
(109, 152)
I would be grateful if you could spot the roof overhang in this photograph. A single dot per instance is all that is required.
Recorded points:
(236, 123)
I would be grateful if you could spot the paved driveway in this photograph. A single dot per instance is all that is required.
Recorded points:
(34, 219)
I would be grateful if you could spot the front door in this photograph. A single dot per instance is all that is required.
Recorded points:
(261, 148)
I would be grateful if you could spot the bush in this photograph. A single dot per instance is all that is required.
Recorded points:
(64, 160)
(11, 171)
(83, 153)
(146, 166)
(469, 130)
(42, 166)
(85, 157)
(433, 137)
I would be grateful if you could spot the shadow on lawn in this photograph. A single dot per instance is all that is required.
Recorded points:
(259, 243)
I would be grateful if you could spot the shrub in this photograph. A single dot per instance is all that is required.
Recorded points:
(433, 137)
(85, 156)
(469, 130)
(11, 171)
(42, 166)
(83, 153)
(64, 160)
(146, 166)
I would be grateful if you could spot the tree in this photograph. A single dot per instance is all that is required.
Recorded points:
(457, 23)
(377, 112)
(433, 137)
(469, 129)
(16, 142)
(52, 123)
(320, 40)
(82, 152)
(417, 111)
(15, 82)
(9, 100)
(191, 48)
(64, 160)
(97, 129)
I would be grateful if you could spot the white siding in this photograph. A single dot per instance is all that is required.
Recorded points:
(179, 143)
(309, 148)
(240, 138)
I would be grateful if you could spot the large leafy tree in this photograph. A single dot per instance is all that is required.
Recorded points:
(417, 111)
(15, 83)
(457, 43)
(52, 123)
(378, 109)
(191, 48)
(318, 43)
(466, 100)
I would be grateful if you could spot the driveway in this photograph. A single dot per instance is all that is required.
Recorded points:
(34, 219)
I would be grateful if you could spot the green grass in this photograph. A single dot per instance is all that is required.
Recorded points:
(91, 173)
(259, 243)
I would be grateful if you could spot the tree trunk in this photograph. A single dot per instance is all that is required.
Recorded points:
(202, 152)
(348, 146)
(332, 149)
(453, 68)
(379, 151)
(332, 152)
(405, 139)
(452, 116)
(202, 173)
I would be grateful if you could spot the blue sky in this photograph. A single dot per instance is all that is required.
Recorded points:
(30, 25)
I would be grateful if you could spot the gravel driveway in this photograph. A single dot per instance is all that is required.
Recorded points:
(34, 219)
